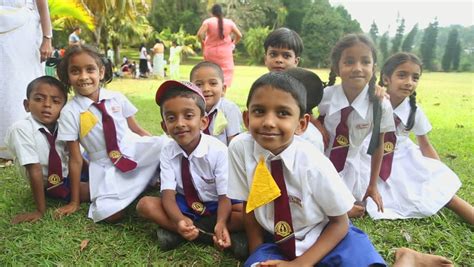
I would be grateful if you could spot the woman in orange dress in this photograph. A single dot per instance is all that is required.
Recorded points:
(218, 37)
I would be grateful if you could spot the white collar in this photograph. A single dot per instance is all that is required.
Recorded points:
(287, 156)
(37, 125)
(199, 152)
(84, 102)
(403, 110)
(339, 101)
(216, 106)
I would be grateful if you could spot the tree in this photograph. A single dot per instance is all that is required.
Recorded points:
(428, 45)
(253, 42)
(409, 41)
(448, 56)
(350, 25)
(297, 10)
(397, 40)
(457, 56)
(374, 31)
(383, 45)
(173, 14)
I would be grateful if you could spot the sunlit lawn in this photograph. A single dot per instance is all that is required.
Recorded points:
(446, 98)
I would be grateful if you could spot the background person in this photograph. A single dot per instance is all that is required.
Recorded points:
(218, 37)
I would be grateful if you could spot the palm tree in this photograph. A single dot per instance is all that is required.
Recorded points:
(63, 12)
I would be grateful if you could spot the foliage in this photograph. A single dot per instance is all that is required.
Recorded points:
(445, 98)
(427, 48)
(250, 14)
(176, 14)
(383, 46)
(297, 10)
(253, 43)
(68, 12)
(397, 41)
(373, 32)
(409, 40)
(321, 29)
(457, 56)
(449, 50)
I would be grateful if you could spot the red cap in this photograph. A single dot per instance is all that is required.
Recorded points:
(177, 84)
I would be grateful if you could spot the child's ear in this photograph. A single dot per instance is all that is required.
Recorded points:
(385, 80)
(224, 89)
(26, 105)
(297, 61)
(303, 124)
(204, 122)
(245, 117)
(102, 73)
(163, 126)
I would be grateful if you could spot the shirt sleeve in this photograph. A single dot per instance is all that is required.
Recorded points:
(238, 185)
(20, 141)
(234, 120)
(387, 123)
(221, 171)
(422, 125)
(167, 175)
(68, 124)
(128, 108)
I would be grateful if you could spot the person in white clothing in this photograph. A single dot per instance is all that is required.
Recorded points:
(415, 183)
(225, 118)
(123, 156)
(25, 42)
(28, 140)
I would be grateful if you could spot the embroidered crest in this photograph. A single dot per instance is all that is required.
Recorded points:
(115, 154)
(388, 147)
(283, 229)
(54, 179)
(363, 125)
(198, 207)
(342, 140)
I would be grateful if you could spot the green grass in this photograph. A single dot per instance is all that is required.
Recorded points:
(446, 99)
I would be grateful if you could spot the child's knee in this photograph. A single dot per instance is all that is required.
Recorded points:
(145, 205)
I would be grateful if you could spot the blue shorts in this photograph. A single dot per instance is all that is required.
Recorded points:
(211, 206)
(354, 250)
(67, 183)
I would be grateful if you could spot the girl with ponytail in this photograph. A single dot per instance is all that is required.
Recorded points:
(351, 112)
(414, 182)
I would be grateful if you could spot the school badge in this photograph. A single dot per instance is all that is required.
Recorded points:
(198, 207)
(283, 229)
(388, 147)
(342, 140)
(54, 179)
(115, 154)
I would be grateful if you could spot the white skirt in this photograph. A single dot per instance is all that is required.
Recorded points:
(112, 190)
(417, 187)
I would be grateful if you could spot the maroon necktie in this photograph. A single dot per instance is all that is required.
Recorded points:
(340, 146)
(283, 232)
(211, 117)
(190, 194)
(118, 159)
(389, 142)
(55, 169)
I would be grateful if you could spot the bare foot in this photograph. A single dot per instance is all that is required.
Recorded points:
(357, 211)
(405, 257)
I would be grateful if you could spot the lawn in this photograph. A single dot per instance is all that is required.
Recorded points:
(446, 99)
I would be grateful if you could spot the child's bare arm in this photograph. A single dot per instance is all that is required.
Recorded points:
(334, 232)
(136, 128)
(35, 174)
(426, 148)
(221, 234)
(253, 229)
(184, 225)
(75, 167)
(376, 161)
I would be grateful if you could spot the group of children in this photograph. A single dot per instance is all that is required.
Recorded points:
(273, 181)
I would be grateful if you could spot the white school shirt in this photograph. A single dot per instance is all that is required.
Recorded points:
(314, 187)
(233, 116)
(314, 136)
(30, 146)
(360, 124)
(421, 126)
(208, 165)
(118, 107)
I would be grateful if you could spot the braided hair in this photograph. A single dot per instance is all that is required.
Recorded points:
(100, 59)
(216, 11)
(347, 41)
(387, 70)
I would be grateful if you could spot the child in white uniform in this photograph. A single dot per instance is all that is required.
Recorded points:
(353, 60)
(123, 157)
(299, 213)
(416, 184)
(194, 171)
(225, 118)
(27, 140)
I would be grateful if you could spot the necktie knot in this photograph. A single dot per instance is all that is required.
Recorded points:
(210, 117)
(345, 113)
(50, 137)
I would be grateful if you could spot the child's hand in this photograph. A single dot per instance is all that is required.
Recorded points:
(187, 229)
(27, 217)
(373, 192)
(381, 93)
(66, 210)
(221, 236)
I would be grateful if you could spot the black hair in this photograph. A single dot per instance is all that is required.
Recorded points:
(284, 82)
(284, 38)
(216, 11)
(387, 70)
(46, 80)
(209, 64)
(100, 59)
(180, 91)
(313, 85)
(345, 42)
